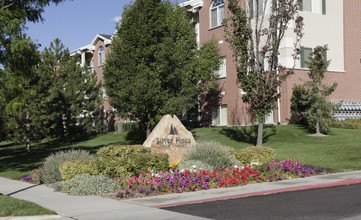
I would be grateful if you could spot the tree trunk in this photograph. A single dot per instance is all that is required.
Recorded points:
(148, 131)
(317, 128)
(27, 144)
(260, 134)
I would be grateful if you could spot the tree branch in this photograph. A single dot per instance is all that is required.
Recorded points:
(6, 6)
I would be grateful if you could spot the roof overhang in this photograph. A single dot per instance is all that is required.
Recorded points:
(97, 37)
(192, 5)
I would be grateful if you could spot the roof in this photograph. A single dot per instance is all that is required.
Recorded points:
(107, 36)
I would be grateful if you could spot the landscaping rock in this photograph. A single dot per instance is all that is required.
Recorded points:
(170, 137)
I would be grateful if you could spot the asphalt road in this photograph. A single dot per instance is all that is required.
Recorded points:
(327, 203)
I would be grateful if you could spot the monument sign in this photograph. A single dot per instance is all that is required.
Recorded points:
(170, 137)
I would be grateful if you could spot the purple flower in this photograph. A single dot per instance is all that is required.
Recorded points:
(180, 190)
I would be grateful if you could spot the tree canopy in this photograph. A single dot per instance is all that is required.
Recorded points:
(154, 67)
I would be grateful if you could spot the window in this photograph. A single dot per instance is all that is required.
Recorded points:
(256, 7)
(103, 92)
(101, 56)
(220, 115)
(222, 72)
(217, 13)
(305, 53)
(315, 6)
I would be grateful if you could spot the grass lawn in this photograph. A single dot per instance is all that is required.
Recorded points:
(15, 207)
(339, 151)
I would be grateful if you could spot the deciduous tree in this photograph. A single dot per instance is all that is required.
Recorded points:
(255, 29)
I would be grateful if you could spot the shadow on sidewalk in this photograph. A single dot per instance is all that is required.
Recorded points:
(20, 190)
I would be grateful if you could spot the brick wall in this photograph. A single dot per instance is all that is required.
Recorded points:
(349, 81)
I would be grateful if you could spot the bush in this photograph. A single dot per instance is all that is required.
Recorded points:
(117, 161)
(298, 105)
(85, 184)
(194, 165)
(121, 151)
(211, 153)
(50, 168)
(71, 168)
(256, 154)
(143, 162)
(128, 126)
(348, 124)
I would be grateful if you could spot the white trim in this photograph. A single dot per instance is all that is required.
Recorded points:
(106, 40)
(194, 5)
(336, 71)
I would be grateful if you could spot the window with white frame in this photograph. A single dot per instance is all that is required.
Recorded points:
(305, 56)
(314, 6)
(217, 13)
(222, 72)
(220, 115)
(101, 56)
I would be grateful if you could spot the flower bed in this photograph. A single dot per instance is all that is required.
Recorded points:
(186, 181)
(178, 181)
(288, 169)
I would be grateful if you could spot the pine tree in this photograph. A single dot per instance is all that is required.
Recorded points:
(19, 81)
(71, 98)
(154, 67)
(319, 113)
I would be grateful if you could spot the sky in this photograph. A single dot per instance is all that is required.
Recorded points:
(77, 22)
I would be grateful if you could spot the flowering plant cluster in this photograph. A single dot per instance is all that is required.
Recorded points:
(172, 166)
(273, 171)
(185, 181)
(26, 178)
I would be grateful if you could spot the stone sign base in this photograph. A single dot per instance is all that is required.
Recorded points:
(170, 137)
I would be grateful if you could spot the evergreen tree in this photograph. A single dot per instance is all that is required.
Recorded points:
(19, 81)
(319, 113)
(70, 97)
(13, 16)
(154, 67)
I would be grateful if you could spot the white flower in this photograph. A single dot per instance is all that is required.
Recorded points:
(255, 163)
(235, 166)
(194, 166)
(182, 170)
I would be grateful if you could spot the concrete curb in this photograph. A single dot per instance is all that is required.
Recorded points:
(36, 217)
(267, 192)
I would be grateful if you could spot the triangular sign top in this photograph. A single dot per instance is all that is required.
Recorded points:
(173, 130)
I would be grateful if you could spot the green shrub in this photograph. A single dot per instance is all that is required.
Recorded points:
(348, 124)
(121, 151)
(116, 161)
(256, 154)
(211, 153)
(71, 168)
(128, 126)
(113, 167)
(194, 165)
(85, 184)
(50, 169)
(144, 162)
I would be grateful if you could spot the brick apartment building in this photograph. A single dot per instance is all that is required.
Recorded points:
(93, 56)
(332, 22)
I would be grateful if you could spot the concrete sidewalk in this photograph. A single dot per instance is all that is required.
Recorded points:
(96, 207)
